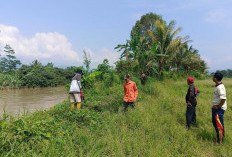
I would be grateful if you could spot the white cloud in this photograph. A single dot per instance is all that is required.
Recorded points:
(46, 47)
(100, 55)
(50, 47)
(110, 55)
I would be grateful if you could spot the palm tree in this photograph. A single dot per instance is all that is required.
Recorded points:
(193, 61)
(180, 57)
(125, 48)
(168, 44)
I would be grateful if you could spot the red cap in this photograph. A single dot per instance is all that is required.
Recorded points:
(190, 79)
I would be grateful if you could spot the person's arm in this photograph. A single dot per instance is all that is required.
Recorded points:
(191, 94)
(136, 91)
(220, 105)
(124, 90)
(187, 96)
(198, 92)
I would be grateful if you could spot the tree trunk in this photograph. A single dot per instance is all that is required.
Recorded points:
(177, 67)
(161, 63)
(127, 57)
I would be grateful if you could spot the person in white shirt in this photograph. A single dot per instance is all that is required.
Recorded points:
(76, 90)
(219, 107)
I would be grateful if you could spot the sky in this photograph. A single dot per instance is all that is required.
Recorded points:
(58, 31)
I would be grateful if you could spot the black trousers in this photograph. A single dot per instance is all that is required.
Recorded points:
(190, 116)
(126, 104)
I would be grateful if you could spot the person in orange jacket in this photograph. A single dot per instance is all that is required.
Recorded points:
(130, 93)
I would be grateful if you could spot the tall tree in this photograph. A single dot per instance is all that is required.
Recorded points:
(180, 57)
(193, 61)
(87, 60)
(140, 47)
(139, 32)
(155, 46)
(9, 62)
(165, 35)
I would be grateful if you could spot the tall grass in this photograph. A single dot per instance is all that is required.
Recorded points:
(155, 128)
(9, 80)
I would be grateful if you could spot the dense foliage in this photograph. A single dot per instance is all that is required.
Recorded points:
(155, 47)
(37, 75)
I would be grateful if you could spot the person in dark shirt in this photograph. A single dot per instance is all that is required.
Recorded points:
(143, 79)
(191, 103)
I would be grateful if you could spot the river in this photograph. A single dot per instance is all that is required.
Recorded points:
(18, 101)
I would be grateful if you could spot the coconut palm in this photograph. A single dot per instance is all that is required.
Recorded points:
(180, 57)
(168, 43)
(193, 62)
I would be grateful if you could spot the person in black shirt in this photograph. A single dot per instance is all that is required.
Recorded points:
(143, 79)
(191, 103)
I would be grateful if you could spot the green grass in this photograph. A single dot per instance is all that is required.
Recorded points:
(155, 128)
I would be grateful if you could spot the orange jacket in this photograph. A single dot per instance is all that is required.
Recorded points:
(130, 91)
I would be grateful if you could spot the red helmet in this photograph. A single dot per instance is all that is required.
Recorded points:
(190, 79)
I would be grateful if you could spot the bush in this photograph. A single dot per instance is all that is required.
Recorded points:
(9, 80)
(108, 79)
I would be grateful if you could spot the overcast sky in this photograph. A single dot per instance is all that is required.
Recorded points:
(59, 30)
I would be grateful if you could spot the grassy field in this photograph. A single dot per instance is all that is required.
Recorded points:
(155, 128)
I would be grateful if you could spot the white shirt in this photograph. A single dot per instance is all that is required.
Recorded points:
(218, 95)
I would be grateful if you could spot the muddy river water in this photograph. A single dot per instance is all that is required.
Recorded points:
(18, 101)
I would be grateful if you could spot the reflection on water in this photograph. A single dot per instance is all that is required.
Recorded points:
(17, 101)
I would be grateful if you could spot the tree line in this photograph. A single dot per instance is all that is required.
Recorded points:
(226, 73)
(14, 74)
(155, 48)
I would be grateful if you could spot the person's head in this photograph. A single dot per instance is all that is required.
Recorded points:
(79, 71)
(127, 78)
(190, 80)
(217, 77)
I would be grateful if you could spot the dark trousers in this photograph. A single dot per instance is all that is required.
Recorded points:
(190, 116)
(143, 82)
(126, 104)
(218, 123)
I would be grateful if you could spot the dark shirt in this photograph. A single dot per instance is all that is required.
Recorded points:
(191, 95)
(143, 80)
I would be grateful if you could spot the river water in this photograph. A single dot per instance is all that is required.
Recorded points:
(18, 101)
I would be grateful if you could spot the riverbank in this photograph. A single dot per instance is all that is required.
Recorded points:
(155, 128)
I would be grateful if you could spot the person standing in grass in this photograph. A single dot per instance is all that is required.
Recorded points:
(75, 90)
(130, 93)
(143, 79)
(191, 101)
(219, 107)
